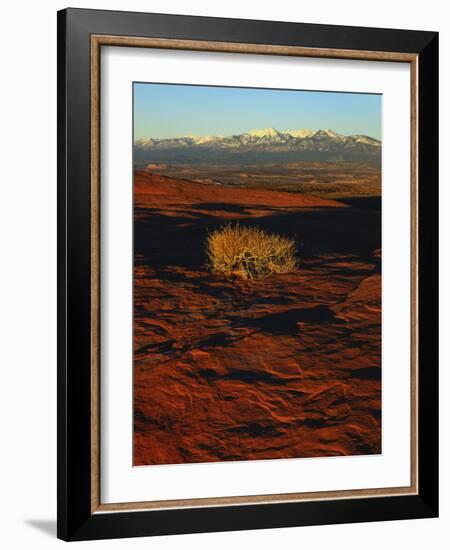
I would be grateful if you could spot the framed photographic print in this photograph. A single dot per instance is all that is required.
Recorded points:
(247, 274)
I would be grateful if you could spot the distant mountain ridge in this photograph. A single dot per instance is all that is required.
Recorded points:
(259, 145)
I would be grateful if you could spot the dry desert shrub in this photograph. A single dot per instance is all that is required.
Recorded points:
(249, 252)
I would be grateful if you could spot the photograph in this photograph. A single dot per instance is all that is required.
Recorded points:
(257, 257)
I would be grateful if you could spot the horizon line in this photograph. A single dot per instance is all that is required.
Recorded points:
(259, 130)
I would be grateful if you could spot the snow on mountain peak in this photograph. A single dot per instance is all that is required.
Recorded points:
(265, 132)
(204, 139)
(330, 133)
(263, 138)
(301, 133)
(302, 143)
(366, 140)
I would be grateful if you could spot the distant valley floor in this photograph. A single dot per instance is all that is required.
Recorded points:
(326, 179)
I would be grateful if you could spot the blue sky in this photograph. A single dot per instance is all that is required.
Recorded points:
(169, 110)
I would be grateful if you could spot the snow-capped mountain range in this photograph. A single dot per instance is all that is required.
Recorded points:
(260, 145)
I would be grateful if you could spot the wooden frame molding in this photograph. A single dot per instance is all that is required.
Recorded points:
(235, 47)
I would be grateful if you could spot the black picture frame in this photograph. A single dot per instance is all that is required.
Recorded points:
(75, 518)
